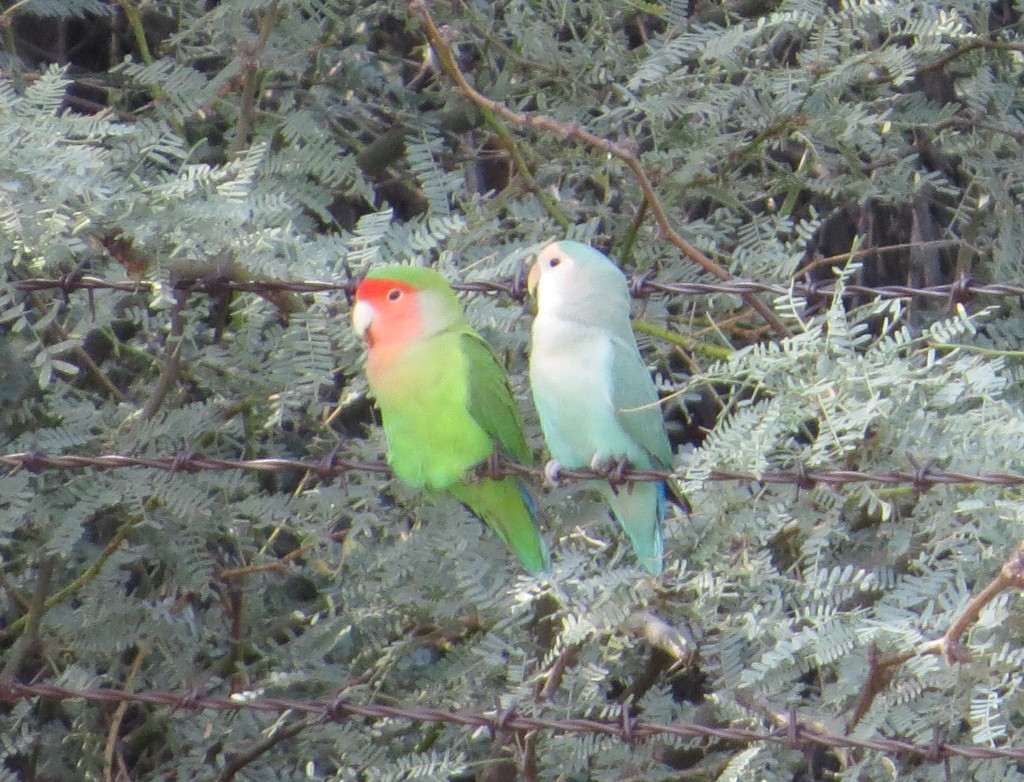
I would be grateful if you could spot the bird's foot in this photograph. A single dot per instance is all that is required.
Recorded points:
(553, 473)
(612, 469)
(493, 467)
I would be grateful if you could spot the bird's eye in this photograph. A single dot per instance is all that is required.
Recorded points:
(394, 294)
(553, 262)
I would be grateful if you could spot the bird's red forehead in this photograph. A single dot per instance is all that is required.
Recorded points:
(377, 288)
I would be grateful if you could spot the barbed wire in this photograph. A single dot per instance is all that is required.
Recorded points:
(793, 733)
(921, 477)
(640, 285)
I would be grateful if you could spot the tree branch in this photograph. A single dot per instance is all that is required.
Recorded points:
(880, 668)
(446, 60)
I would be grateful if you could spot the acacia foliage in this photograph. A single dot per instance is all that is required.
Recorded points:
(298, 139)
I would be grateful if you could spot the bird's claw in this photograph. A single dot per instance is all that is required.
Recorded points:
(492, 466)
(553, 473)
(612, 469)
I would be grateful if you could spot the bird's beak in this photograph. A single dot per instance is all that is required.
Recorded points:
(533, 279)
(362, 318)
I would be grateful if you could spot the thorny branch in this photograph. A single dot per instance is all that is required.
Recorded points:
(446, 60)
(881, 667)
(795, 733)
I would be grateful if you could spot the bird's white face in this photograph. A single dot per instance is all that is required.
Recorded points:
(550, 277)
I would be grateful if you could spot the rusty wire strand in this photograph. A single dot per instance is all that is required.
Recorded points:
(921, 478)
(338, 711)
(639, 285)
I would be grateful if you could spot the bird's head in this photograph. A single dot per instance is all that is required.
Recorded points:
(571, 279)
(396, 304)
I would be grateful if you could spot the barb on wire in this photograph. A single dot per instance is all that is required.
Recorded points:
(922, 479)
(638, 730)
(640, 285)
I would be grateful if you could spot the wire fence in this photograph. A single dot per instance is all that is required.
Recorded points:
(792, 733)
(921, 477)
(640, 285)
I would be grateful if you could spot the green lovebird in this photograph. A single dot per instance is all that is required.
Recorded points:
(445, 400)
(593, 393)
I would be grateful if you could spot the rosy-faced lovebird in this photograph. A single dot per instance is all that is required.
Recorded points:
(444, 399)
(594, 395)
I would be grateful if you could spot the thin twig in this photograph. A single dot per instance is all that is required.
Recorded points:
(981, 43)
(37, 608)
(20, 625)
(59, 334)
(172, 361)
(279, 565)
(251, 62)
(7, 15)
(122, 708)
(240, 759)
(131, 13)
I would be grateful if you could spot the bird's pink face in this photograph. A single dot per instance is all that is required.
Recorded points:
(386, 312)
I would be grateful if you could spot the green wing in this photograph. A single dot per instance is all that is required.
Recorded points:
(636, 400)
(505, 504)
(490, 400)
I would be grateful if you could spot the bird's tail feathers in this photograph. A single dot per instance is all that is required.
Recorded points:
(639, 512)
(510, 511)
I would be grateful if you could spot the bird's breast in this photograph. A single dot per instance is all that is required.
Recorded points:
(570, 380)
